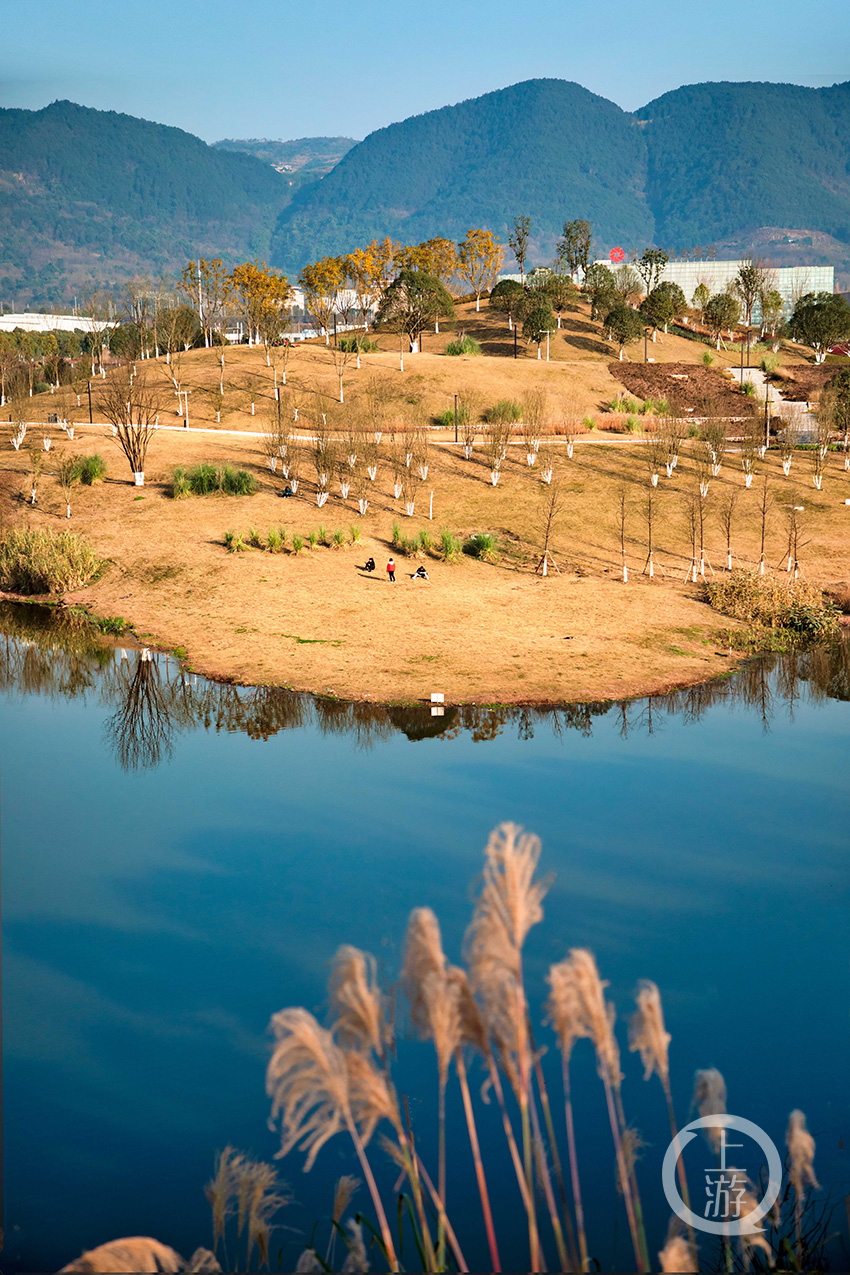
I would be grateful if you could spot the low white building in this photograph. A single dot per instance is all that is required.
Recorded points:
(791, 282)
(29, 322)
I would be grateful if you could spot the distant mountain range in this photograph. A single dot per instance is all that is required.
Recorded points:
(91, 195)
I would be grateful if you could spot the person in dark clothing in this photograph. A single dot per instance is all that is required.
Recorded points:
(420, 574)
(370, 565)
(391, 571)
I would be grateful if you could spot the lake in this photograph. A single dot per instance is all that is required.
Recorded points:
(181, 859)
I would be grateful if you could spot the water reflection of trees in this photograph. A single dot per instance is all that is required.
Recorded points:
(152, 700)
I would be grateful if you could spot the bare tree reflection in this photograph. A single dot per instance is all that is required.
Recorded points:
(140, 730)
(151, 700)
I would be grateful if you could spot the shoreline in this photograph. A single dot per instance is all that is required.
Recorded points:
(131, 640)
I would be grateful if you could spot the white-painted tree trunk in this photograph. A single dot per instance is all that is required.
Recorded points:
(467, 451)
(531, 458)
(650, 568)
(344, 487)
(546, 474)
(378, 435)
(252, 408)
(408, 457)
(728, 559)
(703, 489)
(625, 574)
(271, 461)
(372, 470)
(321, 498)
(495, 475)
(397, 490)
(408, 508)
(570, 449)
(293, 482)
(139, 478)
(748, 479)
(786, 466)
(669, 468)
(422, 471)
(363, 505)
(68, 510)
(817, 479)
(653, 478)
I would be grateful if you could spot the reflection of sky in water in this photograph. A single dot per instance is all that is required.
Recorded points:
(153, 920)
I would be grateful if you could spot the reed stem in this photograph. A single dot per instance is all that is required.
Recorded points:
(571, 1144)
(527, 1198)
(479, 1165)
(680, 1165)
(621, 1167)
(543, 1171)
(373, 1191)
(441, 1210)
(556, 1159)
(641, 1230)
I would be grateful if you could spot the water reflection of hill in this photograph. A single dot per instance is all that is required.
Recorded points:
(152, 700)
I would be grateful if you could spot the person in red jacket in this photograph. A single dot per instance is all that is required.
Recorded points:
(391, 571)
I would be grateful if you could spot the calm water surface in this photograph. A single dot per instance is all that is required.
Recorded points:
(180, 860)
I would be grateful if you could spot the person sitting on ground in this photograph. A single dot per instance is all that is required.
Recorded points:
(287, 491)
(420, 574)
(370, 565)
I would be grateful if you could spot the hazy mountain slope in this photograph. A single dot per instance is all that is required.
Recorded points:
(309, 154)
(107, 195)
(547, 148)
(726, 157)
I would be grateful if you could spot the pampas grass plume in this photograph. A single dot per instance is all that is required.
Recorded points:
(356, 1000)
(677, 1255)
(801, 1153)
(136, 1253)
(307, 1081)
(710, 1100)
(647, 1033)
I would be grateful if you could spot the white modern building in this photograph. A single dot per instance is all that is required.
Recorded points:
(29, 322)
(791, 282)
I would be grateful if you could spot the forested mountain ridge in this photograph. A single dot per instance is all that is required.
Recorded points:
(525, 149)
(706, 163)
(90, 195)
(96, 194)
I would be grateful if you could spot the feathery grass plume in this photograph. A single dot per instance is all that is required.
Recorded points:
(222, 1189)
(371, 1100)
(317, 1089)
(677, 1255)
(309, 1260)
(647, 1034)
(357, 1259)
(357, 1002)
(567, 1018)
(597, 1015)
(472, 1030)
(509, 903)
(434, 1012)
(136, 1253)
(259, 1200)
(801, 1160)
(343, 1194)
(595, 1019)
(307, 1080)
(434, 1008)
(710, 1100)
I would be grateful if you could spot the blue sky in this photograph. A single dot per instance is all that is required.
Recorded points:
(273, 68)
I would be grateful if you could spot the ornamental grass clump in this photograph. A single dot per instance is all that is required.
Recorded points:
(797, 609)
(33, 562)
(451, 546)
(463, 345)
(482, 545)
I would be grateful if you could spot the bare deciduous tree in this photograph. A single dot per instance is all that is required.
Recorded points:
(131, 405)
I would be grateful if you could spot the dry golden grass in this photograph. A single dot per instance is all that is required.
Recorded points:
(477, 632)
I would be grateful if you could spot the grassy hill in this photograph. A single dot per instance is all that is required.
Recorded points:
(94, 194)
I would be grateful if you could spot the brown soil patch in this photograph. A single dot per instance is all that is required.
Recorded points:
(803, 382)
(692, 387)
